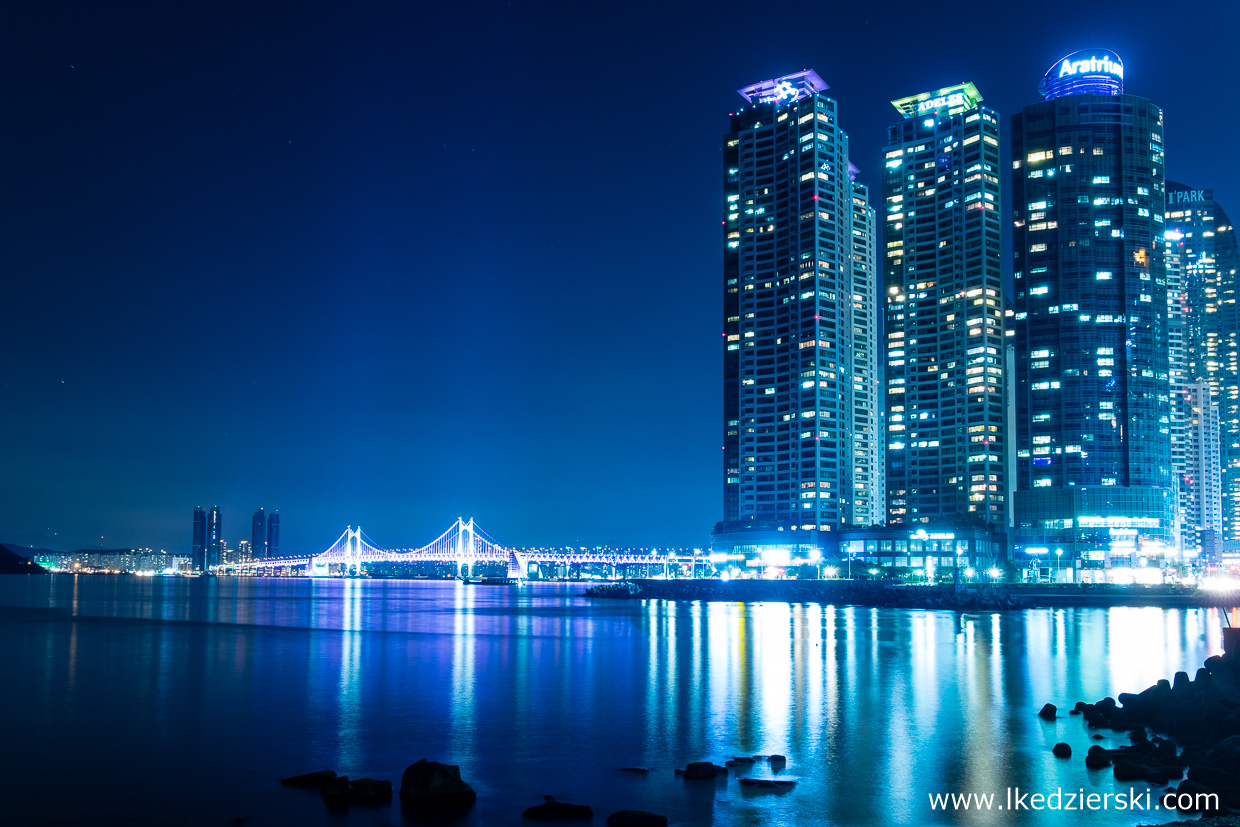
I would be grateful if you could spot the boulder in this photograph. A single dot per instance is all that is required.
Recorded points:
(311, 780)
(1097, 761)
(1196, 796)
(1062, 750)
(1212, 777)
(552, 810)
(766, 784)
(636, 818)
(1128, 771)
(1227, 749)
(702, 770)
(1047, 713)
(429, 785)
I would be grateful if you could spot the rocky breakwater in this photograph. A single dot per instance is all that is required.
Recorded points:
(1196, 742)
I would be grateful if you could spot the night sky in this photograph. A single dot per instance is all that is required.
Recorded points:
(388, 264)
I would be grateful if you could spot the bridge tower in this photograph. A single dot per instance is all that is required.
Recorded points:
(465, 550)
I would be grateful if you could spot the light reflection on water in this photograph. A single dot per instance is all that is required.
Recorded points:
(235, 683)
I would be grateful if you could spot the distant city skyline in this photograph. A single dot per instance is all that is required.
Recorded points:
(241, 244)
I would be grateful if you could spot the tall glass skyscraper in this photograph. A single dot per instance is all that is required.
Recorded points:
(945, 349)
(273, 534)
(1202, 259)
(1094, 474)
(258, 535)
(198, 550)
(801, 426)
(215, 539)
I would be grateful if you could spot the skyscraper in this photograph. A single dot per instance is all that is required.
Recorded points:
(1202, 259)
(198, 551)
(945, 354)
(1198, 468)
(273, 534)
(258, 535)
(215, 538)
(798, 274)
(1094, 472)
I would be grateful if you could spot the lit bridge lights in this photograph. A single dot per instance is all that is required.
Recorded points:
(462, 543)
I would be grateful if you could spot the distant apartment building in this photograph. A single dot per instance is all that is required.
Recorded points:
(1201, 258)
(198, 548)
(258, 535)
(215, 539)
(273, 535)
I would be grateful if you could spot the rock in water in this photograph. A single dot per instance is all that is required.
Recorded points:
(311, 780)
(429, 785)
(767, 784)
(1047, 713)
(701, 770)
(1097, 761)
(551, 810)
(1062, 750)
(636, 818)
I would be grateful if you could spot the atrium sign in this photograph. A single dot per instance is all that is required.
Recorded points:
(1092, 66)
(1087, 72)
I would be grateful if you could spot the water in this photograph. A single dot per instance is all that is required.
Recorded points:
(154, 701)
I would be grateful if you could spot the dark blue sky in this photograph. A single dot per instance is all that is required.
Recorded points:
(389, 264)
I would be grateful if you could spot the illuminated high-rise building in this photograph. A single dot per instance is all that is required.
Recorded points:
(198, 550)
(801, 424)
(215, 539)
(258, 535)
(273, 534)
(1202, 258)
(1198, 469)
(943, 289)
(1094, 470)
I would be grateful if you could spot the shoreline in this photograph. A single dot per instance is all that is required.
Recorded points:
(991, 597)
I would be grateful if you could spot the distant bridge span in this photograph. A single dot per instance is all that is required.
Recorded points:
(463, 543)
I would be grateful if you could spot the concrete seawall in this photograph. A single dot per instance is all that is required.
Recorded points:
(868, 593)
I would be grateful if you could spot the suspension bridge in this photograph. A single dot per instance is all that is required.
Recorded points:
(464, 544)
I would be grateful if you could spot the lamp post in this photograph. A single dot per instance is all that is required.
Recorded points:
(1058, 563)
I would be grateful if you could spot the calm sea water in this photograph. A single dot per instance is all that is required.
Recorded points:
(157, 701)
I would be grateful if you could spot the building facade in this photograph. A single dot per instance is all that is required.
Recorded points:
(1199, 467)
(800, 425)
(258, 535)
(1094, 472)
(273, 534)
(946, 460)
(215, 539)
(198, 548)
(1202, 258)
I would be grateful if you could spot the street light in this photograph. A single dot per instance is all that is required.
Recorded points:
(1058, 562)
